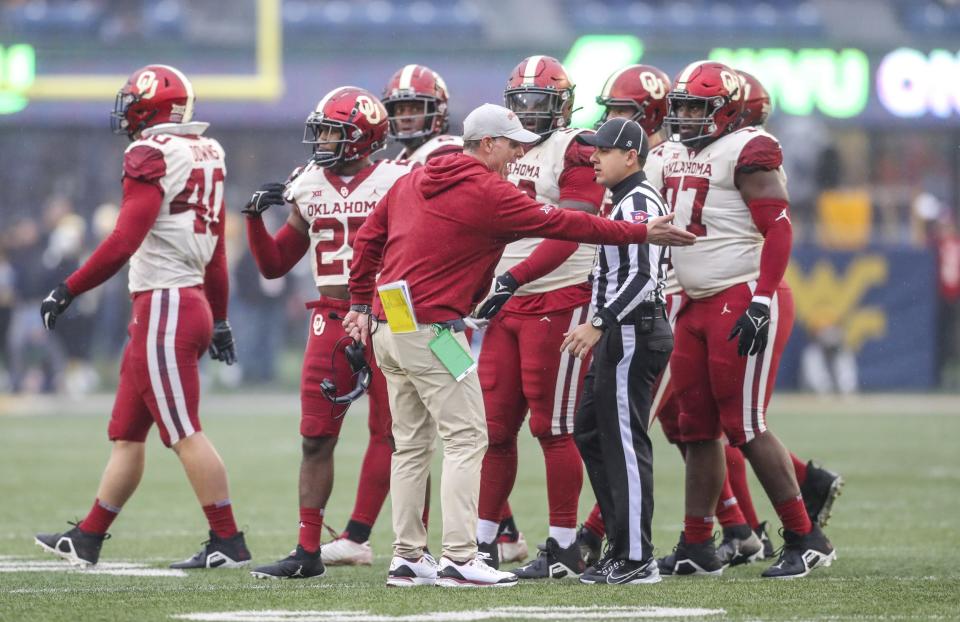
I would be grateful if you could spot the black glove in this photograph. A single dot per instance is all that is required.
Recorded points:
(54, 304)
(221, 345)
(503, 288)
(267, 195)
(753, 327)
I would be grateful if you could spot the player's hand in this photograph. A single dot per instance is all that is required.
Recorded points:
(753, 328)
(581, 340)
(222, 347)
(267, 195)
(662, 233)
(503, 289)
(54, 304)
(357, 325)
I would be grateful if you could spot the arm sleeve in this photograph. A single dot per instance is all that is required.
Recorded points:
(547, 257)
(578, 182)
(368, 253)
(138, 211)
(638, 266)
(762, 153)
(216, 281)
(772, 218)
(519, 216)
(275, 256)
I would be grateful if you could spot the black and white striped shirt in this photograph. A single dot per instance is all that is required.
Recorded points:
(625, 276)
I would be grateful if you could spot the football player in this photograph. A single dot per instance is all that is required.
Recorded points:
(541, 293)
(171, 229)
(416, 100)
(727, 186)
(331, 196)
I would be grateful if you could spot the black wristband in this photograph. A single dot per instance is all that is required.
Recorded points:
(365, 309)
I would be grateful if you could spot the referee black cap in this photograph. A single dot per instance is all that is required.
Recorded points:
(618, 133)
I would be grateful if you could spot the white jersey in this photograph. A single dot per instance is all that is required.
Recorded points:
(537, 174)
(653, 169)
(189, 168)
(700, 187)
(436, 146)
(335, 208)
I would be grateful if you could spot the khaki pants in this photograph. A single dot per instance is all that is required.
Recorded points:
(425, 399)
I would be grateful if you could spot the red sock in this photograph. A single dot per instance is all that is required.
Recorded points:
(794, 517)
(311, 522)
(697, 529)
(220, 518)
(99, 518)
(374, 485)
(728, 510)
(496, 479)
(506, 512)
(800, 468)
(737, 476)
(564, 479)
(595, 522)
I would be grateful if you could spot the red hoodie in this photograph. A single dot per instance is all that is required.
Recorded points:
(443, 227)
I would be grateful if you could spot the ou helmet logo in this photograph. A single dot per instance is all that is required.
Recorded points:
(653, 85)
(372, 110)
(147, 84)
(732, 84)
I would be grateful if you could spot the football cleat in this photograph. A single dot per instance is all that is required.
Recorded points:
(597, 573)
(820, 489)
(300, 564)
(512, 548)
(692, 559)
(591, 545)
(78, 547)
(406, 573)
(761, 532)
(629, 572)
(218, 552)
(739, 546)
(474, 573)
(345, 552)
(489, 554)
(553, 562)
(801, 554)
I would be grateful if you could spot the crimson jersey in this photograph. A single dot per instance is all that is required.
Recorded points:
(435, 147)
(700, 188)
(189, 170)
(334, 209)
(557, 168)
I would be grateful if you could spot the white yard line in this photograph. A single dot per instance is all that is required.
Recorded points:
(500, 613)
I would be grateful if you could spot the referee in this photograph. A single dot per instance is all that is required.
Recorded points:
(633, 344)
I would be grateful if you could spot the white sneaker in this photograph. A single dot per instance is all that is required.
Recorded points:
(513, 550)
(346, 552)
(405, 573)
(474, 573)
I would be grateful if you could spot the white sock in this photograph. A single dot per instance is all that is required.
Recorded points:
(487, 531)
(565, 536)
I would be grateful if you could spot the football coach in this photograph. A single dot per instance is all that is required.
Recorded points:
(442, 229)
(633, 343)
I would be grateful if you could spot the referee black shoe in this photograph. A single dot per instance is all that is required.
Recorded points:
(692, 559)
(801, 554)
(739, 545)
(78, 547)
(629, 572)
(820, 489)
(300, 564)
(218, 552)
(598, 572)
(553, 562)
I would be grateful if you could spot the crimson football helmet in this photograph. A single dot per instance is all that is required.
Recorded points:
(541, 94)
(756, 101)
(717, 89)
(641, 87)
(417, 83)
(152, 95)
(359, 118)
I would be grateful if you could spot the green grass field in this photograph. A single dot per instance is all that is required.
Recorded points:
(895, 527)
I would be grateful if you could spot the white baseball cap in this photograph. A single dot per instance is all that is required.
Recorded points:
(495, 121)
